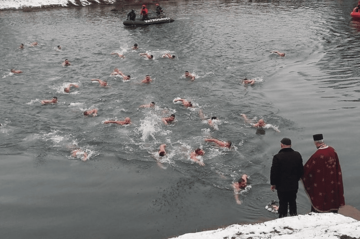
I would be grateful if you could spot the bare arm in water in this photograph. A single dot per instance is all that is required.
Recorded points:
(279, 53)
(115, 53)
(101, 82)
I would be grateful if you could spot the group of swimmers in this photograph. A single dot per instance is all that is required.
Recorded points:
(194, 155)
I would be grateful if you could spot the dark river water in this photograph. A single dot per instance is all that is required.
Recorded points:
(122, 191)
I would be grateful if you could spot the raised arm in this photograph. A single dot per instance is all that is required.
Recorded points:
(246, 118)
(182, 100)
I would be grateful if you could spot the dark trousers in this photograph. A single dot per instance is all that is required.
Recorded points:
(287, 200)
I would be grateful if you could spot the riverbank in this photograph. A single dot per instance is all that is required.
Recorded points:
(324, 225)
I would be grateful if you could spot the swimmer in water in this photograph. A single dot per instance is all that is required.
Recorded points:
(21, 46)
(147, 55)
(75, 153)
(279, 53)
(53, 101)
(194, 154)
(15, 71)
(59, 47)
(184, 102)
(209, 121)
(101, 82)
(117, 72)
(147, 79)
(167, 55)
(34, 44)
(162, 151)
(260, 124)
(115, 53)
(238, 186)
(66, 63)
(151, 105)
(67, 88)
(223, 144)
(120, 122)
(188, 75)
(92, 112)
(169, 119)
(247, 81)
(135, 47)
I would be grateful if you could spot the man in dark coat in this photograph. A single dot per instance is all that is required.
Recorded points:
(286, 171)
(132, 15)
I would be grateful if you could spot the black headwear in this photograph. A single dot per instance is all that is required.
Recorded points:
(286, 141)
(318, 137)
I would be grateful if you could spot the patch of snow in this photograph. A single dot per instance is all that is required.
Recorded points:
(312, 225)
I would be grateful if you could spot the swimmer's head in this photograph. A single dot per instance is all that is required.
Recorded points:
(173, 56)
(261, 123)
(152, 104)
(228, 144)
(55, 97)
(135, 45)
(214, 118)
(190, 104)
(186, 73)
(59, 46)
(162, 153)
(199, 151)
(127, 120)
(67, 90)
(242, 183)
(172, 115)
(129, 76)
(86, 113)
(151, 56)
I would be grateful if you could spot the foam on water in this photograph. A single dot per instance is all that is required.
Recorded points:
(149, 126)
(9, 74)
(33, 101)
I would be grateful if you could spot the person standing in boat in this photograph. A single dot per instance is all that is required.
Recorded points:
(158, 10)
(131, 15)
(144, 13)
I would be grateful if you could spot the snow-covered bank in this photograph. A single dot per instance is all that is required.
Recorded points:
(20, 4)
(313, 225)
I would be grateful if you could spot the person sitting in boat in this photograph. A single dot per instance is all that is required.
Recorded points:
(131, 15)
(144, 12)
(158, 10)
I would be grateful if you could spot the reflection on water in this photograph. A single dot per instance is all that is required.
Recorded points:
(313, 89)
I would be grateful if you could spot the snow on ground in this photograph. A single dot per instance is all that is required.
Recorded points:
(312, 225)
(19, 4)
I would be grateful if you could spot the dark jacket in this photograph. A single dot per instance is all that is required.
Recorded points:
(286, 170)
(131, 15)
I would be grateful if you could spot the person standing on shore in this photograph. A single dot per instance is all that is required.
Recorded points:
(286, 171)
(323, 178)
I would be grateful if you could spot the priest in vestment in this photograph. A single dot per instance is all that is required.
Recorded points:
(322, 178)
